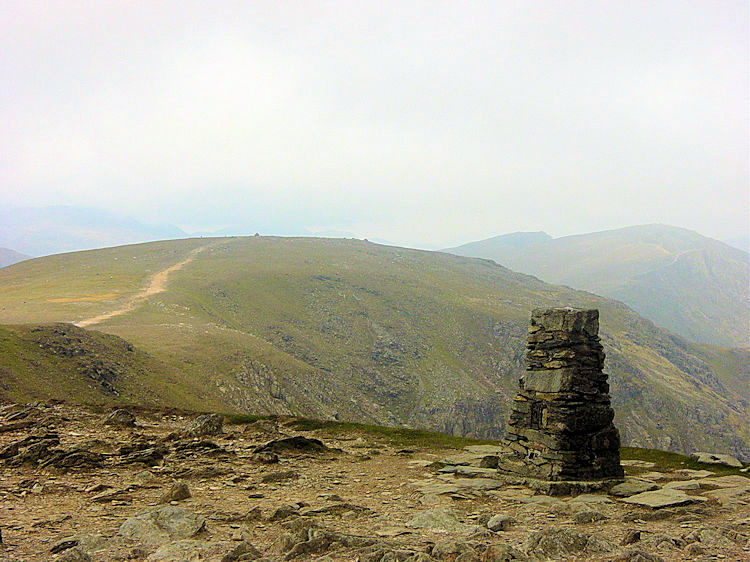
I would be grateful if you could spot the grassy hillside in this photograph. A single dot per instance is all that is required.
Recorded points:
(349, 330)
(62, 361)
(8, 257)
(692, 285)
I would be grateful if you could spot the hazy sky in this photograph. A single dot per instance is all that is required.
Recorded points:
(425, 123)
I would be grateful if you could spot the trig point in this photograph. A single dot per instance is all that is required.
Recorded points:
(560, 432)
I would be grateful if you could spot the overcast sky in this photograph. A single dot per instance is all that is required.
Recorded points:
(423, 123)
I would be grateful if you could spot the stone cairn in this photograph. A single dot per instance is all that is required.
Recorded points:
(560, 436)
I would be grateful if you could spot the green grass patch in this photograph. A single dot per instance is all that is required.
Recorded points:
(666, 461)
(401, 436)
(240, 419)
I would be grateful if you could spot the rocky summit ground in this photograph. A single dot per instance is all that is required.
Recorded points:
(80, 484)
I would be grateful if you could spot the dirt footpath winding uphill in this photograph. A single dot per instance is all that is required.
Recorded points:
(158, 284)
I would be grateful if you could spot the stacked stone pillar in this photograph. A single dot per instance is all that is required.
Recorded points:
(561, 425)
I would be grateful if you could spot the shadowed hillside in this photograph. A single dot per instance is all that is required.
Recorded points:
(692, 285)
(356, 331)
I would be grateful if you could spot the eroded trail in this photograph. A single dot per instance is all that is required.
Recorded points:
(157, 285)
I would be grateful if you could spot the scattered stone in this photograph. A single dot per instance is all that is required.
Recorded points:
(202, 447)
(439, 518)
(710, 537)
(338, 509)
(451, 549)
(146, 453)
(265, 457)
(490, 461)
(500, 523)
(207, 424)
(658, 541)
(631, 536)
(74, 554)
(15, 426)
(177, 491)
(590, 499)
(637, 556)
(109, 495)
(652, 476)
(683, 485)
(583, 517)
(502, 553)
(638, 463)
(716, 458)
(286, 511)
(282, 544)
(690, 473)
(469, 471)
(144, 479)
(63, 544)
(279, 476)
(631, 487)
(730, 481)
(187, 550)
(120, 417)
(730, 496)
(162, 524)
(243, 551)
(561, 543)
(662, 498)
(560, 428)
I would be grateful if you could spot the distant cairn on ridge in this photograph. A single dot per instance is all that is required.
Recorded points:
(561, 436)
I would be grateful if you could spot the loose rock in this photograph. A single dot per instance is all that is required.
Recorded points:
(163, 524)
(120, 417)
(207, 424)
(177, 491)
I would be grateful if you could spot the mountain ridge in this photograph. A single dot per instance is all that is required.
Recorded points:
(688, 283)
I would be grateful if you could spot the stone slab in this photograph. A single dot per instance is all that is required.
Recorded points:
(716, 458)
(560, 487)
(683, 485)
(662, 498)
(729, 481)
(632, 486)
(485, 450)
(690, 473)
(739, 495)
(468, 471)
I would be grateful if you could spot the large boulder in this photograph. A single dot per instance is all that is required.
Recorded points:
(563, 543)
(207, 424)
(162, 525)
(188, 550)
(438, 519)
(716, 458)
(295, 445)
(120, 417)
(631, 487)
